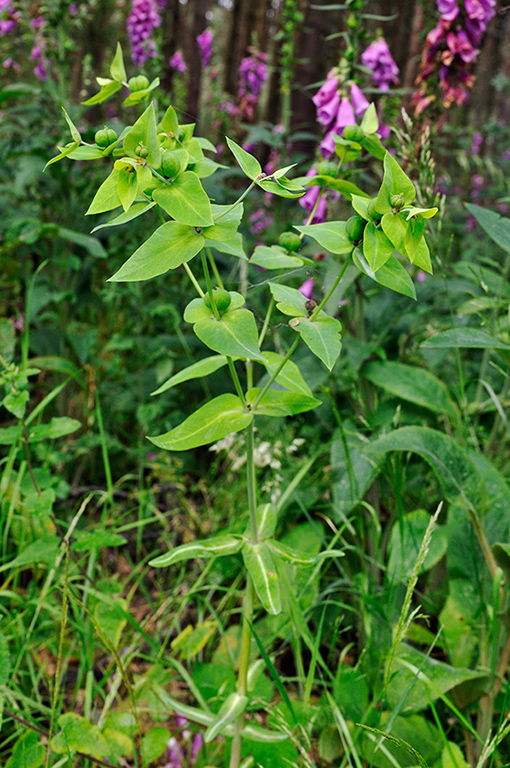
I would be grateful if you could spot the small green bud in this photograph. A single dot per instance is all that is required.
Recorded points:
(105, 137)
(327, 168)
(138, 83)
(354, 228)
(290, 241)
(222, 299)
(374, 215)
(170, 165)
(397, 201)
(353, 133)
(142, 151)
(352, 21)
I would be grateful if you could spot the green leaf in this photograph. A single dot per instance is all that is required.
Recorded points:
(43, 550)
(214, 420)
(249, 164)
(233, 706)
(5, 660)
(288, 300)
(206, 167)
(216, 546)
(331, 235)
(395, 182)
(136, 210)
(373, 145)
(405, 542)
(502, 555)
(353, 472)
(290, 376)
(235, 334)
(111, 617)
(472, 338)
(452, 757)
(275, 403)
(322, 337)
(370, 122)
(87, 540)
(360, 205)
(377, 248)
(127, 186)
(154, 743)
(267, 518)
(411, 383)
(59, 426)
(65, 152)
(27, 752)
(144, 132)
(86, 152)
(427, 213)
(226, 222)
(75, 134)
(107, 196)
(262, 569)
(168, 247)
(193, 639)
(7, 339)
(194, 150)
(234, 247)
(282, 187)
(392, 274)
(78, 735)
(396, 229)
(106, 91)
(495, 225)
(197, 370)
(346, 151)
(170, 122)
(136, 96)
(197, 309)
(117, 69)
(290, 555)
(274, 258)
(186, 201)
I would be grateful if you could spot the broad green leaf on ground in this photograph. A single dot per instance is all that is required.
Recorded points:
(395, 182)
(186, 201)
(460, 632)
(353, 472)
(330, 235)
(111, 617)
(235, 334)
(144, 132)
(421, 680)
(452, 465)
(274, 258)
(78, 735)
(452, 757)
(288, 300)
(495, 225)
(194, 638)
(233, 706)
(276, 403)
(43, 550)
(406, 539)
(249, 164)
(107, 196)
(171, 245)
(214, 420)
(322, 337)
(290, 376)
(474, 338)
(216, 546)
(262, 569)
(27, 752)
(136, 210)
(154, 743)
(197, 370)
(411, 383)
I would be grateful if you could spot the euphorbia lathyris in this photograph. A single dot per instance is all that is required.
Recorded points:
(159, 163)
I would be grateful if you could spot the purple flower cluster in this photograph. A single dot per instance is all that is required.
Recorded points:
(450, 48)
(177, 62)
(378, 59)
(335, 110)
(176, 753)
(253, 73)
(12, 18)
(142, 20)
(204, 41)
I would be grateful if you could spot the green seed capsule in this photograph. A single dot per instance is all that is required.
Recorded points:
(170, 165)
(397, 201)
(374, 215)
(105, 137)
(222, 299)
(142, 151)
(327, 168)
(138, 83)
(353, 133)
(354, 228)
(290, 241)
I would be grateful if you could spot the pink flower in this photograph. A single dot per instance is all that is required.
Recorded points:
(358, 100)
(448, 9)
(204, 41)
(327, 112)
(326, 91)
(345, 116)
(378, 59)
(307, 288)
(142, 19)
(177, 62)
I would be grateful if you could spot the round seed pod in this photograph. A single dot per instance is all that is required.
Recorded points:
(353, 133)
(170, 165)
(222, 299)
(105, 137)
(289, 240)
(354, 228)
(138, 83)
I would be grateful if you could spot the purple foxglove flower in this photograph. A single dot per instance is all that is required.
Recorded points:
(196, 746)
(358, 100)
(204, 41)
(327, 112)
(326, 91)
(37, 22)
(252, 75)
(177, 62)
(459, 44)
(480, 9)
(176, 757)
(448, 9)
(345, 116)
(4, 4)
(6, 26)
(307, 288)
(73, 10)
(142, 20)
(378, 59)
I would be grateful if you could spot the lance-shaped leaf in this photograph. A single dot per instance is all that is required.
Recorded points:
(262, 569)
(290, 376)
(495, 225)
(274, 258)
(248, 164)
(370, 121)
(321, 335)
(226, 222)
(282, 187)
(267, 518)
(377, 248)
(214, 420)
(64, 153)
(275, 403)
(168, 247)
(137, 96)
(427, 213)
(216, 546)
(396, 228)
(107, 196)
(107, 90)
(170, 122)
(136, 210)
(331, 235)
(391, 275)
(186, 201)
(117, 69)
(470, 338)
(294, 557)
(86, 152)
(235, 334)
(127, 184)
(233, 706)
(75, 134)
(395, 182)
(196, 371)
(144, 132)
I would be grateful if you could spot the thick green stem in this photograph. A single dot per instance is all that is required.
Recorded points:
(239, 200)
(214, 267)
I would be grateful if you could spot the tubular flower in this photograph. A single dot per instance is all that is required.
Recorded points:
(142, 20)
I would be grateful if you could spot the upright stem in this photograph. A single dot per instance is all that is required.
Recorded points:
(244, 653)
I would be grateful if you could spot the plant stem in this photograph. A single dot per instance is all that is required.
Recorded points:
(235, 379)
(251, 480)
(289, 354)
(239, 200)
(193, 280)
(214, 267)
(330, 292)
